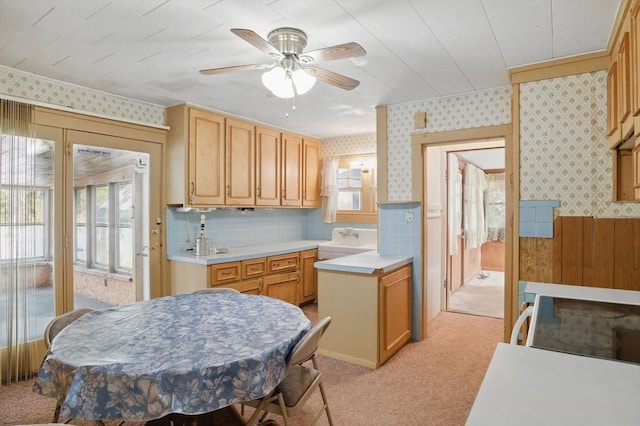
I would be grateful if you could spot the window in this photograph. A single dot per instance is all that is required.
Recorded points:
(104, 224)
(22, 221)
(356, 189)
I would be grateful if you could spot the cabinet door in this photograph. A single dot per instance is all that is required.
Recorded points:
(612, 104)
(206, 158)
(624, 87)
(247, 287)
(311, 173)
(267, 167)
(241, 157)
(282, 286)
(308, 276)
(635, 60)
(291, 170)
(395, 312)
(636, 170)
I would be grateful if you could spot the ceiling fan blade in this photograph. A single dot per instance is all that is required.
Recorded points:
(340, 51)
(260, 43)
(338, 80)
(222, 70)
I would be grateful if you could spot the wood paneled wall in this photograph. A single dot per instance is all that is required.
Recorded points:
(585, 251)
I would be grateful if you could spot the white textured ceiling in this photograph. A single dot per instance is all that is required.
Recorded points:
(151, 50)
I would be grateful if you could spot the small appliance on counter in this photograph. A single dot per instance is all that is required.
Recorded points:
(202, 242)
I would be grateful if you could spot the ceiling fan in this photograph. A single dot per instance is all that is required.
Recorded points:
(293, 69)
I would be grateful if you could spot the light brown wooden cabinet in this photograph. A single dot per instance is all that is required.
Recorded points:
(311, 149)
(291, 170)
(623, 104)
(309, 276)
(636, 169)
(217, 161)
(195, 147)
(282, 276)
(371, 314)
(241, 163)
(268, 165)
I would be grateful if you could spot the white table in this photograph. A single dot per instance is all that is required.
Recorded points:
(529, 386)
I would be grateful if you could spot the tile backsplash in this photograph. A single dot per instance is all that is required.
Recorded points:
(239, 228)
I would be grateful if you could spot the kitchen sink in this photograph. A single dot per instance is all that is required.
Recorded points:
(348, 241)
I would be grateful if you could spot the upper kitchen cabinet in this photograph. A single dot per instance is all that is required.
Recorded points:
(635, 63)
(195, 150)
(267, 167)
(300, 171)
(624, 88)
(311, 173)
(291, 170)
(241, 163)
(613, 128)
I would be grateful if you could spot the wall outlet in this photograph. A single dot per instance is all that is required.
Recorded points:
(409, 217)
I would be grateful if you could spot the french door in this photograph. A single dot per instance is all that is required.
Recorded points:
(113, 221)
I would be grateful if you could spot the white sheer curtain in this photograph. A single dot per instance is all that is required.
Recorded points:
(455, 203)
(474, 217)
(18, 246)
(495, 203)
(329, 189)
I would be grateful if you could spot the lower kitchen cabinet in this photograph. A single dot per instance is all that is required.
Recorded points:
(371, 314)
(308, 276)
(282, 286)
(282, 276)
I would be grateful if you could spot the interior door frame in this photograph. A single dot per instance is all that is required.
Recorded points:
(419, 144)
(154, 151)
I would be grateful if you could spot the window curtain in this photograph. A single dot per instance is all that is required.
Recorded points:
(455, 203)
(474, 217)
(329, 189)
(495, 207)
(17, 242)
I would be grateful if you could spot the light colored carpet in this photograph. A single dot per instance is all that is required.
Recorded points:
(480, 296)
(433, 382)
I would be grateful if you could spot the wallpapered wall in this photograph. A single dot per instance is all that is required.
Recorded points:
(362, 143)
(21, 84)
(477, 109)
(564, 153)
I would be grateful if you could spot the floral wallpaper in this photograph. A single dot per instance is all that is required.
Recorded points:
(362, 143)
(477, 109)
(21, 84)
(564, 154)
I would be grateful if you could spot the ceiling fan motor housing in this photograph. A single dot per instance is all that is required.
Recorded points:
(290, 41)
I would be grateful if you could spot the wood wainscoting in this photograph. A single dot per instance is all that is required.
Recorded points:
(585, 251)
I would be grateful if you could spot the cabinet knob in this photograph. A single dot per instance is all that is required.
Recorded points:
(258, 191)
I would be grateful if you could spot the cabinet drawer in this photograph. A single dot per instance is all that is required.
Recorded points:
(284, 262)
(225, 273)
(254, 268)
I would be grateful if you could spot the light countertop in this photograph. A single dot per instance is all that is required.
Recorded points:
(369, 262)
(248, 252)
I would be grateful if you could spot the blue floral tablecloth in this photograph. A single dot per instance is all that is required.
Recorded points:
(190, 354)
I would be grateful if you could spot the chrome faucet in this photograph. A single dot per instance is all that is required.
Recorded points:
(348, 232)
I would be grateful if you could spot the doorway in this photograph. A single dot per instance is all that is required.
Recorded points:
(475, 243)
(115, 213)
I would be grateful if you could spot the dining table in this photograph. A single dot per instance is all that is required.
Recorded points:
(187, 354)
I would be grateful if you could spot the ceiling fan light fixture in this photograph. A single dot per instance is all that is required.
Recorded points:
(302, 81)
(277, 81)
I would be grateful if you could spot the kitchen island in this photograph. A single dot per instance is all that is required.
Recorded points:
(368, 297)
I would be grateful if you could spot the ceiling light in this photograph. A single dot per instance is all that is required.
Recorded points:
(283, 82)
